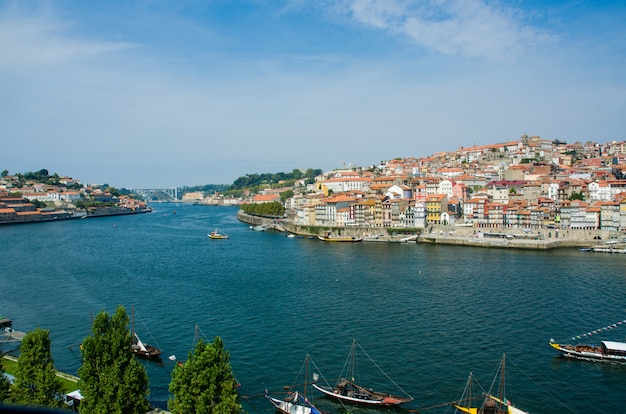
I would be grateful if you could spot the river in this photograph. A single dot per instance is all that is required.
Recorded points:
(427, 314)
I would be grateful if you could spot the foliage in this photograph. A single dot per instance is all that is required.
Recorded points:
(36, 382)
(286, 195)
(205, 383)
(255, 180)
(112, 380)
(83, 204)
(577, 196)
(273, 209)
(38, 203)
(4, 383)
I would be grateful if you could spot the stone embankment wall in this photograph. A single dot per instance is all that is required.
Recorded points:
(541, 239)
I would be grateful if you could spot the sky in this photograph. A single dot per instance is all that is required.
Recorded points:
(169, 93)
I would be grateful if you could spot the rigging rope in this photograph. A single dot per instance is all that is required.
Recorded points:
(599, 330)
(381, 370)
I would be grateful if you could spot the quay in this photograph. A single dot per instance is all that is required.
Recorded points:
(504, 238)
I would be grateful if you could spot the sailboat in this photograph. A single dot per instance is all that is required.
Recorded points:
(140, 348)
(492, 404)
(296, 402)
(346, 389)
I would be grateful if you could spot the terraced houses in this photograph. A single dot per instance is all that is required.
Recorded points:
(530, 183)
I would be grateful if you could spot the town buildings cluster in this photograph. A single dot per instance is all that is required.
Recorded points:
(530, 183)
(60, 201)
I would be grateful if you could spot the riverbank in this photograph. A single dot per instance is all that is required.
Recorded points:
(541, 239)
(60, 215)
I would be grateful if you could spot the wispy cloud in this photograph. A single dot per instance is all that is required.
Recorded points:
(40, 41)
(476, 28)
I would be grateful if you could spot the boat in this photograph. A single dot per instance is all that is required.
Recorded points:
(140, 348)
(492, 404)
(348, 390)
(216, 234)
(605, 351)
(296, 402)
(328, 237)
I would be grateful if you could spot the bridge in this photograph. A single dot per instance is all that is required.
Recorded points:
(158, 193)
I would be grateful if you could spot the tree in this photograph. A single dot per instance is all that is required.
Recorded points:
(286, 195)
(112, 380)
(205, 383)
(4, 384)
(36, 382)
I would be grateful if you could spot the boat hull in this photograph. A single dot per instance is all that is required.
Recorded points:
(340, 239)
(364, 398)
(588, 353)
(288, 407)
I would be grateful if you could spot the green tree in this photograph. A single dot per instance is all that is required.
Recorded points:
(285, 195)
(112, 380)
(36, 382)
(4, 383)
(204, 384)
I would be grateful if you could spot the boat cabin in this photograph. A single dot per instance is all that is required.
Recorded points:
(614, 348)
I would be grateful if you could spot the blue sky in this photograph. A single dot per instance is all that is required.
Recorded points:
(160, 93)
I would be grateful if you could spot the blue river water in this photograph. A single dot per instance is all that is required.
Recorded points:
(428, 315)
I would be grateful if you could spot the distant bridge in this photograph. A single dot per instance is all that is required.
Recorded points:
(158, 193)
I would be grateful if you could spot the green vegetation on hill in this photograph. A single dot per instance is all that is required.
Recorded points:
(273, 209)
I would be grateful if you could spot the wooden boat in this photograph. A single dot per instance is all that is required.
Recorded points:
(606, 351)
(333, 238)
(296, 402)
(346, 389)
(609, 351)
(141, 349)
(492, 404)
(215, 234)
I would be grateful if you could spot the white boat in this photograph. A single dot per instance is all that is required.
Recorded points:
(609, 351)
(296, 402)
(605, 351)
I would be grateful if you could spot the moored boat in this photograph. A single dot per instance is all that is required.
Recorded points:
(296, 401)
(140, 348)
(347, 390)
(493, 402)
(328, 237)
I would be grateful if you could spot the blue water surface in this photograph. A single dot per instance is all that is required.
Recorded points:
(427, 315)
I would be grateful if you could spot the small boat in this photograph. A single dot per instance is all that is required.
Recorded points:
(347, 390)
(296, 402)
(610, 351)
(492, 404)
(140, 348)
(216, 234)
(333, 238)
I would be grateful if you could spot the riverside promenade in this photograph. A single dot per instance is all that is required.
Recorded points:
(514, 238)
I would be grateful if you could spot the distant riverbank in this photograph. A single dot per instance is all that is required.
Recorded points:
(541, 239)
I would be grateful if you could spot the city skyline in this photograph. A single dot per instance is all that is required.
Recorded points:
(156, 94)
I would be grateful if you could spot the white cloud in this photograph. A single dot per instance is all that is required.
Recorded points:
(453, 27)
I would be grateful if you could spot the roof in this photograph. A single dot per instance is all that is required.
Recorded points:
(615, 346)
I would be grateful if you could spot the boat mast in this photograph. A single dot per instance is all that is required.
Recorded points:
(502, 392)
